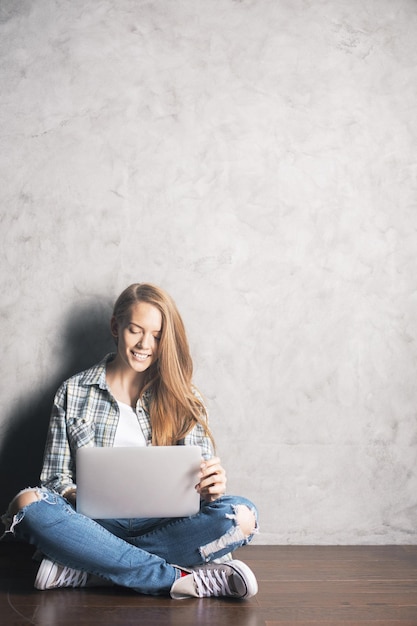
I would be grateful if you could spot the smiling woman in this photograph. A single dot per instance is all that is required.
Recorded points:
(141, 395)
(153, 353)
(137, 336)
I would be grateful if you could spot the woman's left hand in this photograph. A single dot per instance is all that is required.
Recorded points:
(212, 483)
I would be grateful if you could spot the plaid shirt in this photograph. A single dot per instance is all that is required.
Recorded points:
(85, 413)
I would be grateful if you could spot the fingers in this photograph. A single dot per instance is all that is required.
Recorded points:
(213, 480)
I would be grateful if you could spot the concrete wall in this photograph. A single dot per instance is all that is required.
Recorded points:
(258, 160)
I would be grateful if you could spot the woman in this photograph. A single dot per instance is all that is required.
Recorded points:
(141, 395)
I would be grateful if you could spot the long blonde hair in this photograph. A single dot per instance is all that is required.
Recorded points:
(174, 408)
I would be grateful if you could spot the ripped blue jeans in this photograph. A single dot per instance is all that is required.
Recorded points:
(143, 554)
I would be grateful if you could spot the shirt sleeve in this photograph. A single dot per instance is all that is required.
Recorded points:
(58, 464)
(198, 437)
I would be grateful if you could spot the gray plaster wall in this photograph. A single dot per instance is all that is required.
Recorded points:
(257, 159)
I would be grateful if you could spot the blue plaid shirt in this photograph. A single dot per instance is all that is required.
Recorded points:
(85, 413)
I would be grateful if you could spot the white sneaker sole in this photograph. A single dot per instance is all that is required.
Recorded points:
(247, 575)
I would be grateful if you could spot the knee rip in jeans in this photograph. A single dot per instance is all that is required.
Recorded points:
(23, 499)
(241, 533)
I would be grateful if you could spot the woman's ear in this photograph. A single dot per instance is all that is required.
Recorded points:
(114, 327)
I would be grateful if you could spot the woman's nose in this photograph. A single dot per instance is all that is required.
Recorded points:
(144, 341)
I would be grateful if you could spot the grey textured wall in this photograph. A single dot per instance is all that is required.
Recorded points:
(258, 160)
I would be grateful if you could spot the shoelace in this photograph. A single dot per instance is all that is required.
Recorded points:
(212, 583)
(71, 578)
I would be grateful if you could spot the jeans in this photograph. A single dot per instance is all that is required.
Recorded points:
(143, 554)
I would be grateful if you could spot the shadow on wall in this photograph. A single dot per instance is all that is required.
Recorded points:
(86, 340)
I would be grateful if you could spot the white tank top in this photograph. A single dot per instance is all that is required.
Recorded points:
(129, 432)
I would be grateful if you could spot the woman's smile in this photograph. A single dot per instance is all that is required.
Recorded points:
(140, 356)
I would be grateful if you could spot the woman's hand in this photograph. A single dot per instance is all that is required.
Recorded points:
(212, 483)
(70, 496)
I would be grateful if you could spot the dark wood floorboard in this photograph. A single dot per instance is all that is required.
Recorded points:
(298, 585)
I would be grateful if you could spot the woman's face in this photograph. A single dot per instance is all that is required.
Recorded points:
(138, 336)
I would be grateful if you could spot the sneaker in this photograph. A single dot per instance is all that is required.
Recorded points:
(232, 579)
(52, 575)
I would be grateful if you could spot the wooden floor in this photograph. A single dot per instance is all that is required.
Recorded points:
(329, 586)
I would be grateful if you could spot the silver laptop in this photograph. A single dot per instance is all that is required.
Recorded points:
(154, 481)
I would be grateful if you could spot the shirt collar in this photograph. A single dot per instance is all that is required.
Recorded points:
(96, 375)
